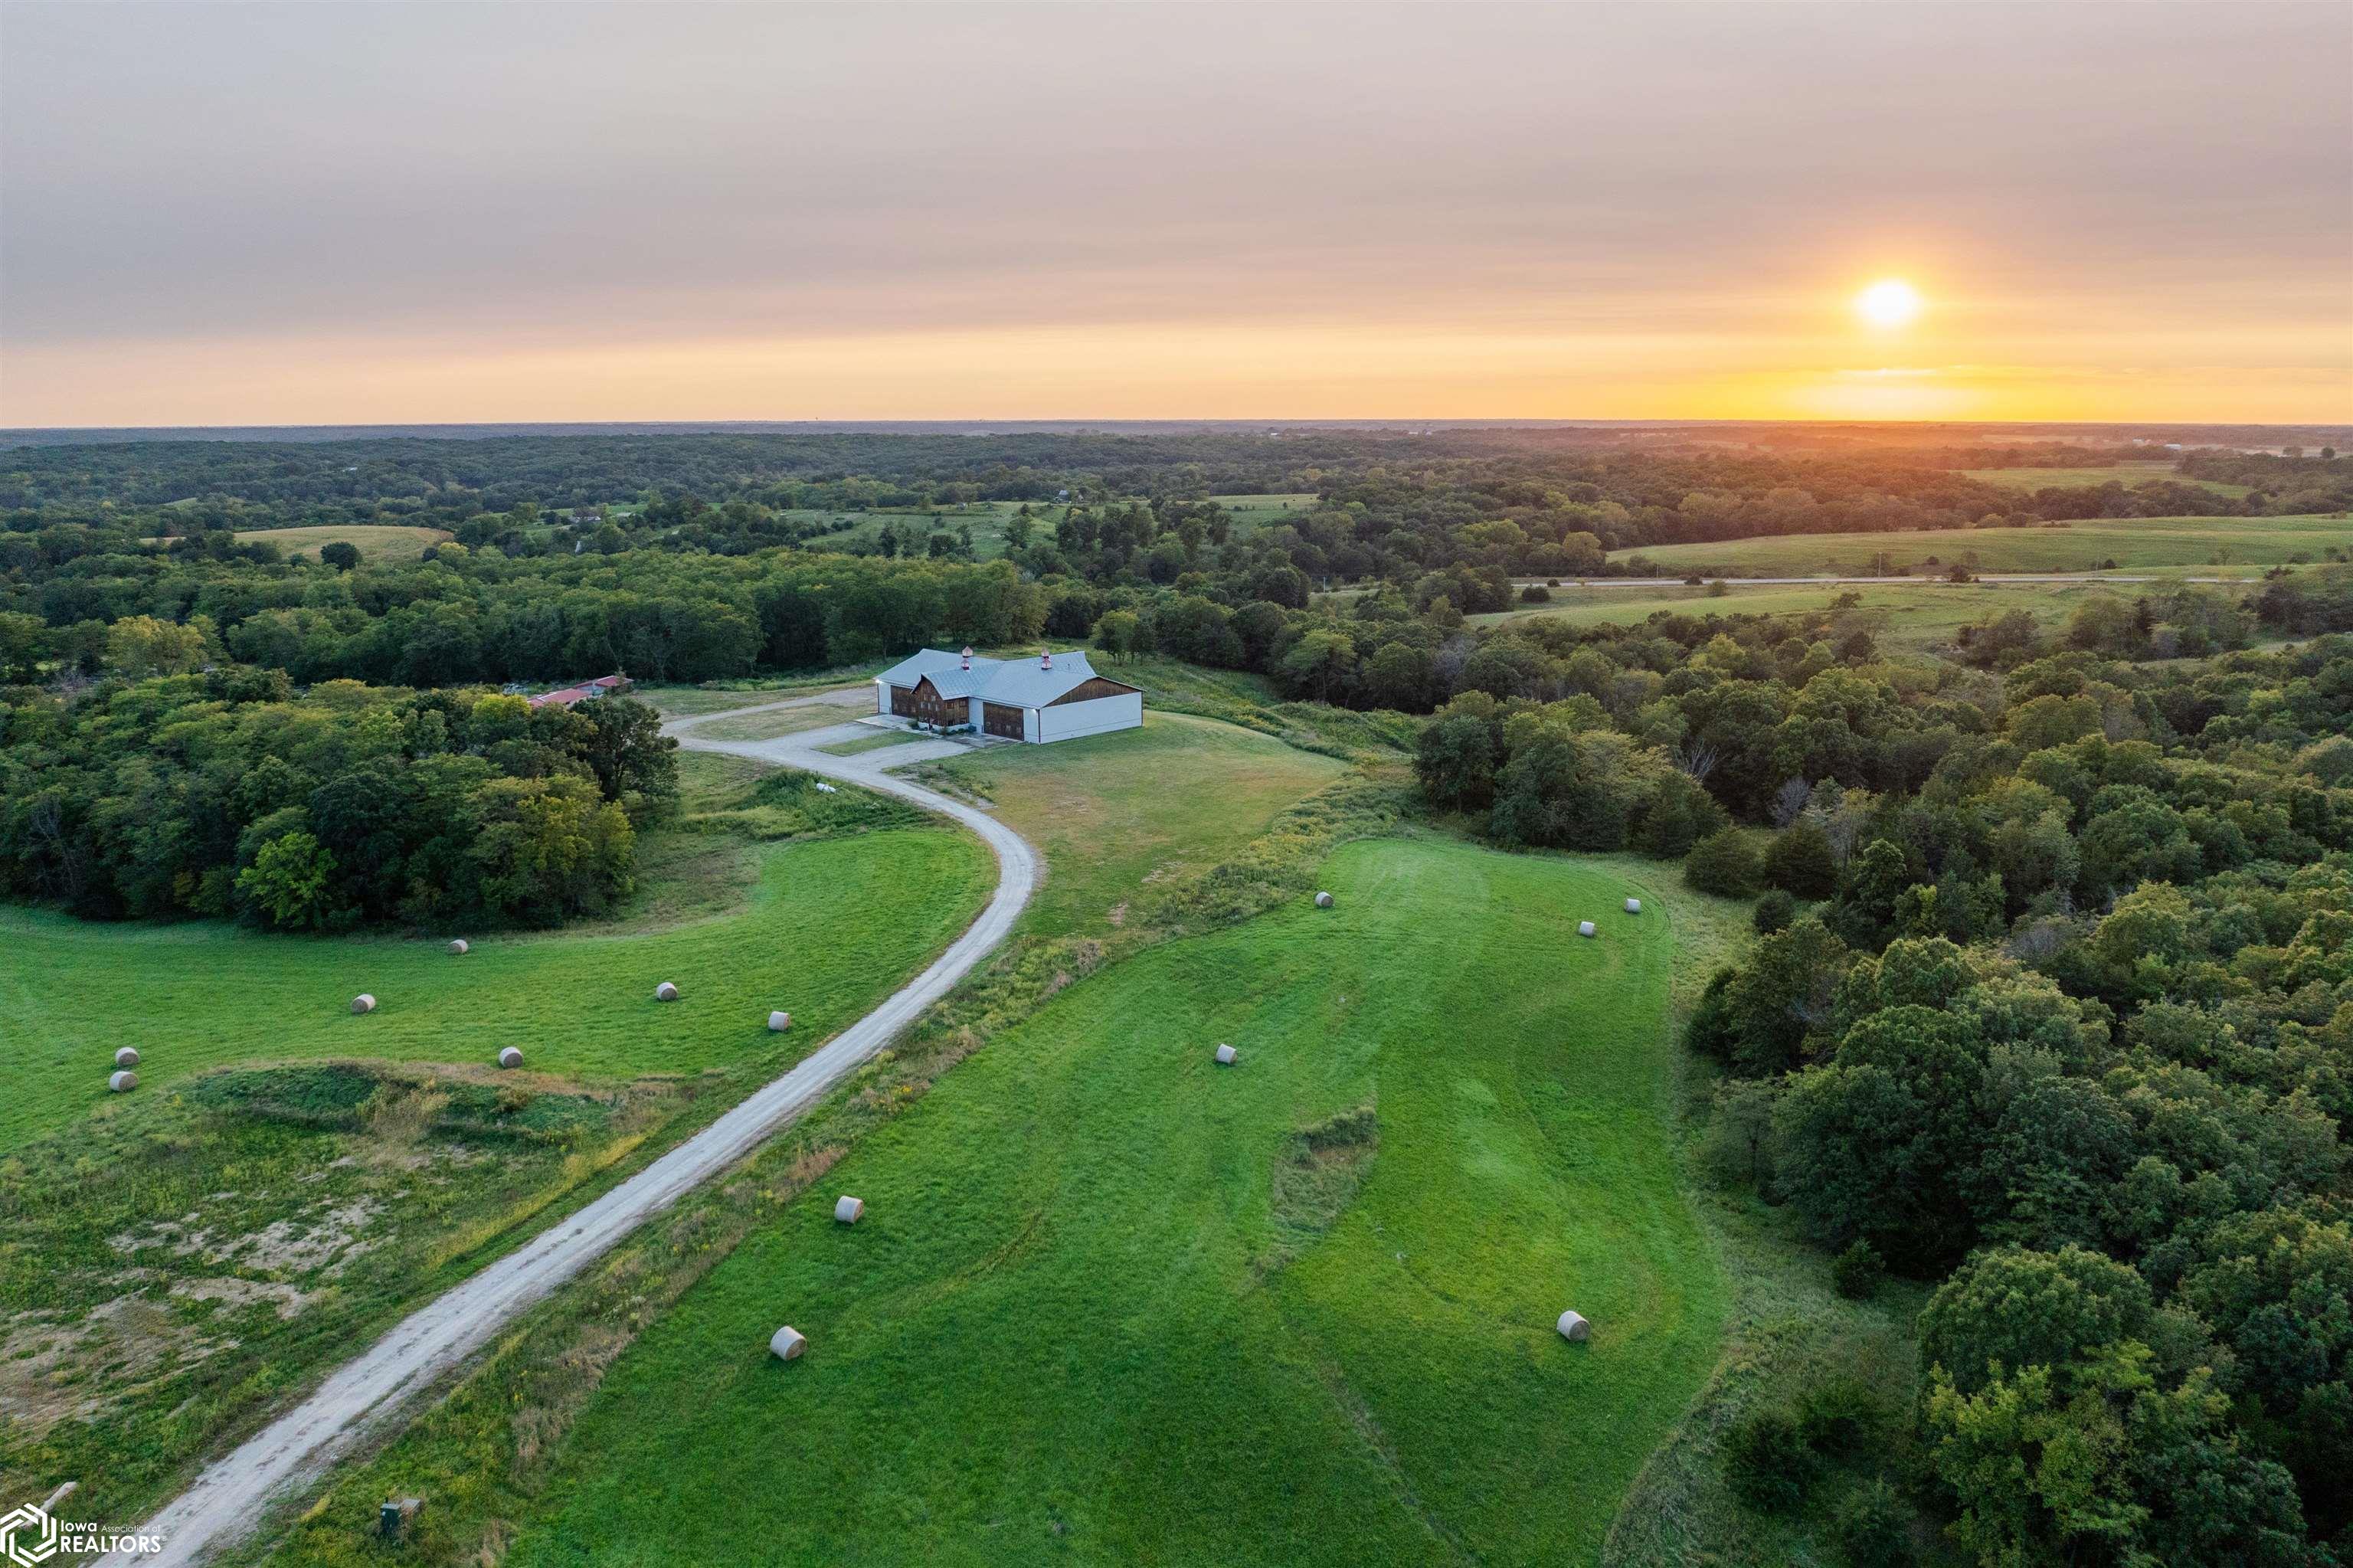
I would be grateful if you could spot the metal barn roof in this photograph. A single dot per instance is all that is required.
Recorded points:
(1020, 682)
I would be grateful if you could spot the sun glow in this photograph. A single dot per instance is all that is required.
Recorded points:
(1889, 303)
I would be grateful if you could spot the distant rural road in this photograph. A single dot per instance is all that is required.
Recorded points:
(228, 1498)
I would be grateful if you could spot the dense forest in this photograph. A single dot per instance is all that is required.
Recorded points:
(699, 558)
(228, 793)
(2054, 1004)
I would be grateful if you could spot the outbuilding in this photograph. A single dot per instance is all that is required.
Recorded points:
(1057, 696)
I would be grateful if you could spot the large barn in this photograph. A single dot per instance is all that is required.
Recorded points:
(1056, 697)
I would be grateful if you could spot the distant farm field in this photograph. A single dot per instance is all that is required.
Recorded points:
(1113, 1303)
(824, 931)
(2240, 542)
(1918, 616)
(1251, 512)
(374, 541)
(2124, 474)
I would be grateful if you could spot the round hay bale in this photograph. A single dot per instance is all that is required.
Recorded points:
(1585, 928)
(665, 992)
(1633, 906)
(364, 1002)
(779, 1022)
(1574, 1327)
(1225, 1055)
(122, 1083)
(509, 1057)
(127, 1057)
(1322, 901)
(786, 1344)
(458, 949)
(846, 1209)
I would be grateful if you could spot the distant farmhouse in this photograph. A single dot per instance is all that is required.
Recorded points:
(1059, 698)
(602, 686)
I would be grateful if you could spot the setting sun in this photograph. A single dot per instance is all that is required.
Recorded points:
(1889, 303)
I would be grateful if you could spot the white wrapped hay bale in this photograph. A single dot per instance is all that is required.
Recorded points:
(1225, 1055)
(786, 1344)
(1322, 901)
(458, 949)
(846, 1209)
(1633, 906)
(122, 1083)
(127, 1057)
(509, 1057)
(364, 1002)
(665, 992)
(1585, 928)
(1573, 1326)
(779, 1022)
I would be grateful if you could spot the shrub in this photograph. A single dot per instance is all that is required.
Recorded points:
(1838, 1415)
(1855, 1273)
(1767, 1462)
(1775, 912)
(1535, 593)
(1873, 1528)
(1799, 859)
(1724, 862)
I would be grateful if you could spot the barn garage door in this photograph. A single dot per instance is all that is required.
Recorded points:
(1002, 719)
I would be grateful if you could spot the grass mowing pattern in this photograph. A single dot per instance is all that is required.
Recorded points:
(830, 928)
(1119, 814)
(2072, 547)
(1066, 1326)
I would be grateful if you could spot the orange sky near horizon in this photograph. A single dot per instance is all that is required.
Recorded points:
(367, 214)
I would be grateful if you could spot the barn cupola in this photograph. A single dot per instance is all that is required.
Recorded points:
(1045, 658)
(968, 656)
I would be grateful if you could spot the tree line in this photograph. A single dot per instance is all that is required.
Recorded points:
(2052, 1005)
(229, 794)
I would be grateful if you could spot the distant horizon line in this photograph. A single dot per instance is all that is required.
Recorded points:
(1005, 425)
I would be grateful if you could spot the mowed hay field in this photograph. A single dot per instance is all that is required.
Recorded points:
(374, 541)
(830, 928)
(2124, 474)
(2074, 547)
(1918, 616)
(1111, 1303)
(1119, 813)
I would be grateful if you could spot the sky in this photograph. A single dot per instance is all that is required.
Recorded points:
(349, 213)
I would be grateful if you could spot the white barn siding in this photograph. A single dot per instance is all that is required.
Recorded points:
(1068, 721)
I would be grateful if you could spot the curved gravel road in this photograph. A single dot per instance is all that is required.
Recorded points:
(228, 1498)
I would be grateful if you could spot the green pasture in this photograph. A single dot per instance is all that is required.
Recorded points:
(1251, 512)
(1113, 1304)
(2133, 544)
(2124, 474)
(374, 541)
(824, 931)
(777, 723)
(1119, 814)
(1919, 618)
(880, 740)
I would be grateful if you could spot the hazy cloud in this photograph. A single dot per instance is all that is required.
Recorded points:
(328, 204)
